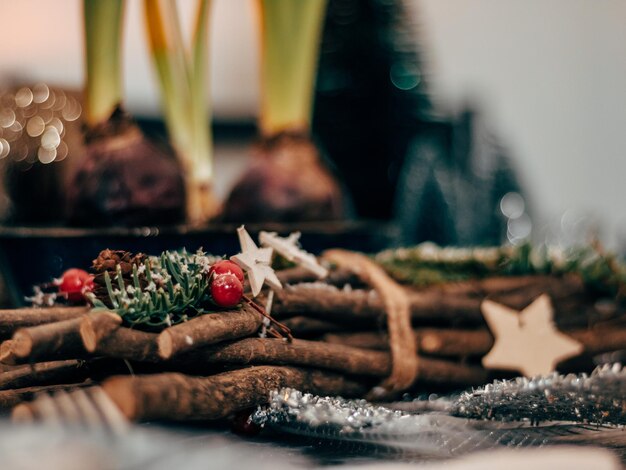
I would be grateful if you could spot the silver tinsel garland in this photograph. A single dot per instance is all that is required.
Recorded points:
(514, 413)
(356, 426)
(599, 398)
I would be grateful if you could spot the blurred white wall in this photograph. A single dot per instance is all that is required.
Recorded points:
(41, 40)
(550, 75)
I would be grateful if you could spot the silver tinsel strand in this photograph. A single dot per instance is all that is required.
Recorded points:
(368, 428)
(599, 398)
(505, 413)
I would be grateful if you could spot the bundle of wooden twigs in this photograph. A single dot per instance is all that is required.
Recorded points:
(216, 364)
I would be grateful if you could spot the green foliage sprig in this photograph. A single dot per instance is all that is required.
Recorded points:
(163, 291)
(427, 264)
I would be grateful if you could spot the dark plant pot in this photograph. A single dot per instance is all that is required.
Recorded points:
(32, 255)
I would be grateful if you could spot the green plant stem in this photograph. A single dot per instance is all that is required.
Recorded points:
(290, 32)
(202, 132)
(103, 26)
(183, 91)
(172, 79)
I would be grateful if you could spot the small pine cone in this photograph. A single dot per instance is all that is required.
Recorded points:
(107, 262)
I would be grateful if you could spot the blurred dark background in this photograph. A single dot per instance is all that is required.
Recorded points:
(435, 175)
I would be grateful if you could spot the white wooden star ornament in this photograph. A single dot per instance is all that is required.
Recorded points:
(526, 341)
(256, 262)
(288, 247)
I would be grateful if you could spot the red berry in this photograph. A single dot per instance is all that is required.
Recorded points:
(226, 290)
(242, 424)
(74, 283)
(224, 266)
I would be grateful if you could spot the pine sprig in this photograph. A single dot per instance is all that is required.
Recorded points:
(162, 291)
(427, 264)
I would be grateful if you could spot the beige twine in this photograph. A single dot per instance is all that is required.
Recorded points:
(395, 300)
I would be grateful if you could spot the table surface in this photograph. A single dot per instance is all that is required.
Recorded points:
(160, 447)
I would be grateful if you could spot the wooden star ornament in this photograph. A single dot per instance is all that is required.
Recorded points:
(289, 248)
(526, 341)
(256, 262)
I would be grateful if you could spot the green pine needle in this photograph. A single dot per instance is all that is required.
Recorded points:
(428, 264)
(165, 290)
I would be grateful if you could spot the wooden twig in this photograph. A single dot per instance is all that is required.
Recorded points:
(304, 327)
(335, 357)
(11, 398)
(23, 414)
(433, 371)
(534, 285)
(7, 357)
(44, 373)
(430, 341)
(7, 367)
(97, 326)
(455, 303)
(102, 334)
(178, 397)
(467, 343)
(600, 340)
(11, 320)
(297, 275)
(365, 309)
(297, 353)
(324, 302)
(279, 327)
(52, 341)
(208, 329)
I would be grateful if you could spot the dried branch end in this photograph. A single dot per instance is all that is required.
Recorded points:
(176, 396)
(12, 320)
(207, 329)
(52, 341)
(103, 334)
(23, 414)
(12, 398)
(6, 353)
(44, 373)
(97, 326)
